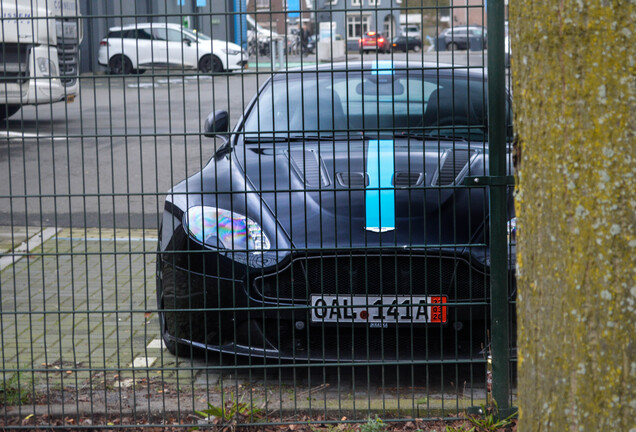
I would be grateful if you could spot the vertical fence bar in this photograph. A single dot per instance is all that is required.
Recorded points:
(498, 210)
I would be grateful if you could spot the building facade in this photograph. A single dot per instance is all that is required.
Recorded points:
(469, 12)
(352, 18)
(282, 16)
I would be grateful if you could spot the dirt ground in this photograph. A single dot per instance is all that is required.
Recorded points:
(242, 423)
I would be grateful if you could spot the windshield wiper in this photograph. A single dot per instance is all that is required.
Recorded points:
(449, 137)
(270, 139)
(428, 135)
(332, 137)
(305, 137)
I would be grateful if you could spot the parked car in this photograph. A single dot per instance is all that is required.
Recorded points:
(331, 223)
(405, 43)
(136, 47)
(464, 37)
(372, 41)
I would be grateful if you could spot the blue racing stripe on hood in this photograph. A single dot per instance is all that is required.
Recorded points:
(382, 67)
(380, 194)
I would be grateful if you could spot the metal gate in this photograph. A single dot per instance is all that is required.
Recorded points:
(255, 213)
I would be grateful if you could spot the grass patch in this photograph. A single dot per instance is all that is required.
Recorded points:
(17, 390)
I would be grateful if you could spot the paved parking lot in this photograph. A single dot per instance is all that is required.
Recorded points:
(80, 331)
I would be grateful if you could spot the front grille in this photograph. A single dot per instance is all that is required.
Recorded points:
(374, 275)
(68, 58)
(14, 59)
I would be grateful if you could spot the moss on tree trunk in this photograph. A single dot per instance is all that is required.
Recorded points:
(574, 75)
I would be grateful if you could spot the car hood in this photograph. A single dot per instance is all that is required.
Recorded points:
(390, 193)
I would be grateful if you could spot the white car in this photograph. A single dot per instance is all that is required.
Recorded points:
(135, 47)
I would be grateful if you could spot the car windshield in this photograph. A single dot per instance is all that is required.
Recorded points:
(369, 103)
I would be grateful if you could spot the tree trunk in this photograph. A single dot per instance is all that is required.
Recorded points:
(574, 75)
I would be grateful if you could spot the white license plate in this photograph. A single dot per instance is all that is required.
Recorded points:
(378, 310)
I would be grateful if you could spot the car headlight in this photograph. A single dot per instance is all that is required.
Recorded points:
(511, 229)
(230, 51)
(46, 66)
(223, 229)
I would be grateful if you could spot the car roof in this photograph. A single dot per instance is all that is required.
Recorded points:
(145, 25)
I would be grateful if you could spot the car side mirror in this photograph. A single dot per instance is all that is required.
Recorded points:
(187, 41)
(217, 122)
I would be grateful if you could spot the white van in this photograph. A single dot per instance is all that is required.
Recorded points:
(411, 31)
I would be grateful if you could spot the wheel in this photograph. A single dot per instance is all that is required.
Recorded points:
(217, 66)
(7, 111)
(452, 46)
(120, 65)
(210, 63)
(417, 48)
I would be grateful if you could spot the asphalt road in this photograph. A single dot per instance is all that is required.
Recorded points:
(107, 159)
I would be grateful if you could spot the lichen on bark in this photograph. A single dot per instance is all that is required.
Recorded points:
(574, 86)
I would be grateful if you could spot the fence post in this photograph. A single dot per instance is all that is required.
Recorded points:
(498, 209)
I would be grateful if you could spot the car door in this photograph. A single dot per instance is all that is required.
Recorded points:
(159, 46)
(138, 46)
(181, 49)
(460, 37)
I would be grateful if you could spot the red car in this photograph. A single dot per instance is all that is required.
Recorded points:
(373, 41)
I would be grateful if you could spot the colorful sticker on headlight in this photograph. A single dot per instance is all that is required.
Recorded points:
(217, 228)
(220, 228)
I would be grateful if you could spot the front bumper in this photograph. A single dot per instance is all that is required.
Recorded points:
(32, 88)
(236, 62)
(267, 314)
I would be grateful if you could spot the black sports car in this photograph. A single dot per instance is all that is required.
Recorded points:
(333, 223)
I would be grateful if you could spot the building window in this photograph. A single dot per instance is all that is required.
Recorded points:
(374, 2)
(261, 4)
(357, 25)
(356, 2)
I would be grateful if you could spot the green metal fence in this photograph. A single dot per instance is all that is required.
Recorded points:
(255, 213)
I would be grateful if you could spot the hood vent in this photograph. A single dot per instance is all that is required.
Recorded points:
(406, 179)
(308, 167)
(452, 163)
(353, 179)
